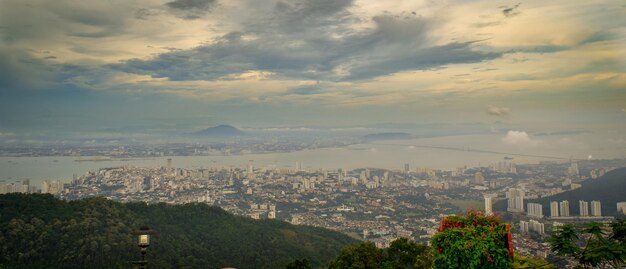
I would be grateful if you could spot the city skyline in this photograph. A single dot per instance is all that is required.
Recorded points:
(517, 69)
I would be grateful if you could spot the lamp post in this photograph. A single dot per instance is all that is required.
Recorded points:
(143, 236)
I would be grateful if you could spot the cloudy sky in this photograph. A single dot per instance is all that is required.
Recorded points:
(180, 65)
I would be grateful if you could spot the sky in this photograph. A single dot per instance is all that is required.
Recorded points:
(109, 66)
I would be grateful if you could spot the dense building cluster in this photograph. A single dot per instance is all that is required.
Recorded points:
(375, 204)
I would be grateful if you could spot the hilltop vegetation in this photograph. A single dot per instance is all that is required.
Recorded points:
(40, 231)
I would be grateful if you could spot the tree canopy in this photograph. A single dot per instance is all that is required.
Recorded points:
(471, 241)
(402, 253)
(591, 245)
(40, 231)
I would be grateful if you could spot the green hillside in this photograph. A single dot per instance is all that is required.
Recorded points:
(40, 231)
(608, 189)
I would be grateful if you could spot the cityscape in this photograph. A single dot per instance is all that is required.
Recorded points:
(301, 134)
(377, 205)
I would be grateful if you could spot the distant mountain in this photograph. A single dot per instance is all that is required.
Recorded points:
(40, 231)
(220, 131)
(387, 136)
(608, 189)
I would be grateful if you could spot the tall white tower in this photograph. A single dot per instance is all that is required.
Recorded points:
(516, 200)
(489, 204)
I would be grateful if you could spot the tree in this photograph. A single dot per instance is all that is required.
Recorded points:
(471, 241)
(299, 264)
(404, 253)
(599, 248)
(563, 241)
(362, 256)
(522, 262)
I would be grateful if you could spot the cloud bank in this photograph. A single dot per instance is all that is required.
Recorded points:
(498, 111)
(331, 62)
(518, 138)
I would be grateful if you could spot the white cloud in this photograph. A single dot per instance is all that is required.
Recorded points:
(518, 138)
(498, 111)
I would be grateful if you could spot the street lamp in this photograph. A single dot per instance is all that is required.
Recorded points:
(143, 236)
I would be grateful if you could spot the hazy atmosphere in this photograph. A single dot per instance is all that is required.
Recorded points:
(98, 68)
(301, 134)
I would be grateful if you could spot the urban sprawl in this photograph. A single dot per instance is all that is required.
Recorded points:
(373, 204)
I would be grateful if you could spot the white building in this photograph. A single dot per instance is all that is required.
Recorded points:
(535, 210)
(532, 226)
(621, 207)
(516, 200)
(596, 208)
(554, 209)
(564, 208)
(52, 187)
(584, 208)
(489, 204)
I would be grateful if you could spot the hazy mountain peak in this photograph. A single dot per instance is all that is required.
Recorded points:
(221, 131)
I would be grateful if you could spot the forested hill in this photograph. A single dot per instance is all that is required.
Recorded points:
(608, 189)
(40, 231)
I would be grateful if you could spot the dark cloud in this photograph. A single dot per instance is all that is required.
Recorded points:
(51, 21)
(320, 46)
(19, 70)
(191, 4)
(191, 9)
(144, 13)
(292, 16)
(511, 11)
(420, 59)
(306, 90)
(21, 73)
(574, 132)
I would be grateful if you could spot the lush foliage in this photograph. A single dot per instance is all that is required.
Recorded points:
(591, 245)
(472, 219)
(299, 264)
(529, 263)
(40, 231)
(471, 241)
(402, 253)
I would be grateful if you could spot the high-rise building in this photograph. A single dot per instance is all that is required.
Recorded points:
(516, 200)
(504, 167)
(554, 209)
(584, 208)
(532, 225)
(250, 170)
(26, 185)
(564, 208)
(596, 208)
(45, 186)
(573, 169)
(537, 227)
(479, 178)
(52, 187)
(621, 207)
(523, 226)
(535, 210)
(298, 166)
(407, 168)
(489, 204)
